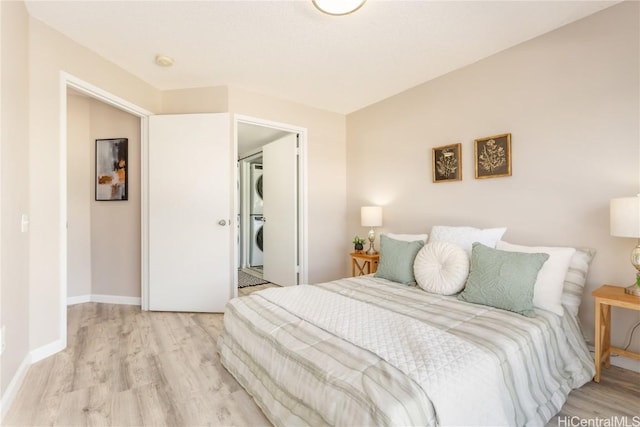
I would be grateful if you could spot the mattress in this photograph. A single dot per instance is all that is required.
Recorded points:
(367, 351)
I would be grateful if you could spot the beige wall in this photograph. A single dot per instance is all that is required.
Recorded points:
(571, 101)
(79, 185)
(195, 100)
(103, 243)
(14, 182)
(115, 226)
(50, 53)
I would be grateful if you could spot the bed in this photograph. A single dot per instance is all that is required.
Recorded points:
(371, 351)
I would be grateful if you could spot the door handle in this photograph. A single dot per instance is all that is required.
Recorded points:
(222, 222)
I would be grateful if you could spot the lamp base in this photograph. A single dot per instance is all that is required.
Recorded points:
(632, 290)
(372, 237)
(635, 258)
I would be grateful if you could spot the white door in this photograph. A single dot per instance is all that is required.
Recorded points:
(190, 233)
(280, 230)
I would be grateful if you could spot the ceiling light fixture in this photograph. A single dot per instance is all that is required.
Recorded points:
(164, 60)
(338, 7)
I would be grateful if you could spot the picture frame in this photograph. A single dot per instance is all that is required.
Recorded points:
(111, 173)
(447, 163)
(493, 156)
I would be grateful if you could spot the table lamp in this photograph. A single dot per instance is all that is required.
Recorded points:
(624, 221)
(371, 216)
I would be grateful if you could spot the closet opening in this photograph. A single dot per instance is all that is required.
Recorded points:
(270, 205)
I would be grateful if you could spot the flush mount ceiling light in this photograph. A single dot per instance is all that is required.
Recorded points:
(338, 7)
(164, 60)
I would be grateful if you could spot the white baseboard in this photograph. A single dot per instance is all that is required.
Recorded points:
(47, 350)
(32, 357)
(108, 299)
(12, 389)
(626, 363)
(79, 299)
(116, 299)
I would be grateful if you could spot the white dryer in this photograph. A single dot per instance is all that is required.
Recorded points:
(256, 189)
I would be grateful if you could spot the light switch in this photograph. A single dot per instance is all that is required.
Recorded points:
(3, 342)
(24, 224)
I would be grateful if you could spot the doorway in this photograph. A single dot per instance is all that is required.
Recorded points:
(69, 82)
(270, 249)
(103, 238)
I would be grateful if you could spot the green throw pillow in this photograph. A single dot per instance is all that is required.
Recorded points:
(396, 260)
(503, 279)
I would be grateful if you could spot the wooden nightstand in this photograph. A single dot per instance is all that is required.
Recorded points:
(362, 261)
(607, 296)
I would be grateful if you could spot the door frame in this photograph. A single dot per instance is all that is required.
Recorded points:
(68, 81)
(303, 270)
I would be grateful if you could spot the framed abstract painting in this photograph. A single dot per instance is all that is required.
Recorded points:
(111, 169)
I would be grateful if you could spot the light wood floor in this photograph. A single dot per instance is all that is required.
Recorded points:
(126, 367)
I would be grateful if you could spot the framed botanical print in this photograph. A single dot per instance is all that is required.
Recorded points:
(493, 156)
(447, 163)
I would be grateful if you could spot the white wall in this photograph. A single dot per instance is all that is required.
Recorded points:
(570, 98)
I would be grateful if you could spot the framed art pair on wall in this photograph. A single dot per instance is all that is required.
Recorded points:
(492, 158)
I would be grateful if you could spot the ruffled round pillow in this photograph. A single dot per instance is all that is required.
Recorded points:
(441, 268)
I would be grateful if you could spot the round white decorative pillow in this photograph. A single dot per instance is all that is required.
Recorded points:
(441, 268)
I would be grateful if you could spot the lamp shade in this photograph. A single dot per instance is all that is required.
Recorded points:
(371, 216)
(624, 217)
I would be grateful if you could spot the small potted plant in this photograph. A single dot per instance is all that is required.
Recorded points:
(358, 244)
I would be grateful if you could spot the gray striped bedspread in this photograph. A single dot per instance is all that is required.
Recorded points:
(366, 351)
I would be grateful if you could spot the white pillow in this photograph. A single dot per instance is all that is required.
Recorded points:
(441, 268)
(408, 237)
(575, 279)
(466, 236)
(547, 292)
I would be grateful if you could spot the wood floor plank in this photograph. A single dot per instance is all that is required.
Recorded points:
(125, 367)
(154, 406)
(125, 411)
(30, 406)
(89, 406)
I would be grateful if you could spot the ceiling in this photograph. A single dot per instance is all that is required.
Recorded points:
(252, 137)
(288, 49)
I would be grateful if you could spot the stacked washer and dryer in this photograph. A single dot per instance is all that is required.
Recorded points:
(256, 220)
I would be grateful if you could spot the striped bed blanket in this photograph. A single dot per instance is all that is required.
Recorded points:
(367, 351)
